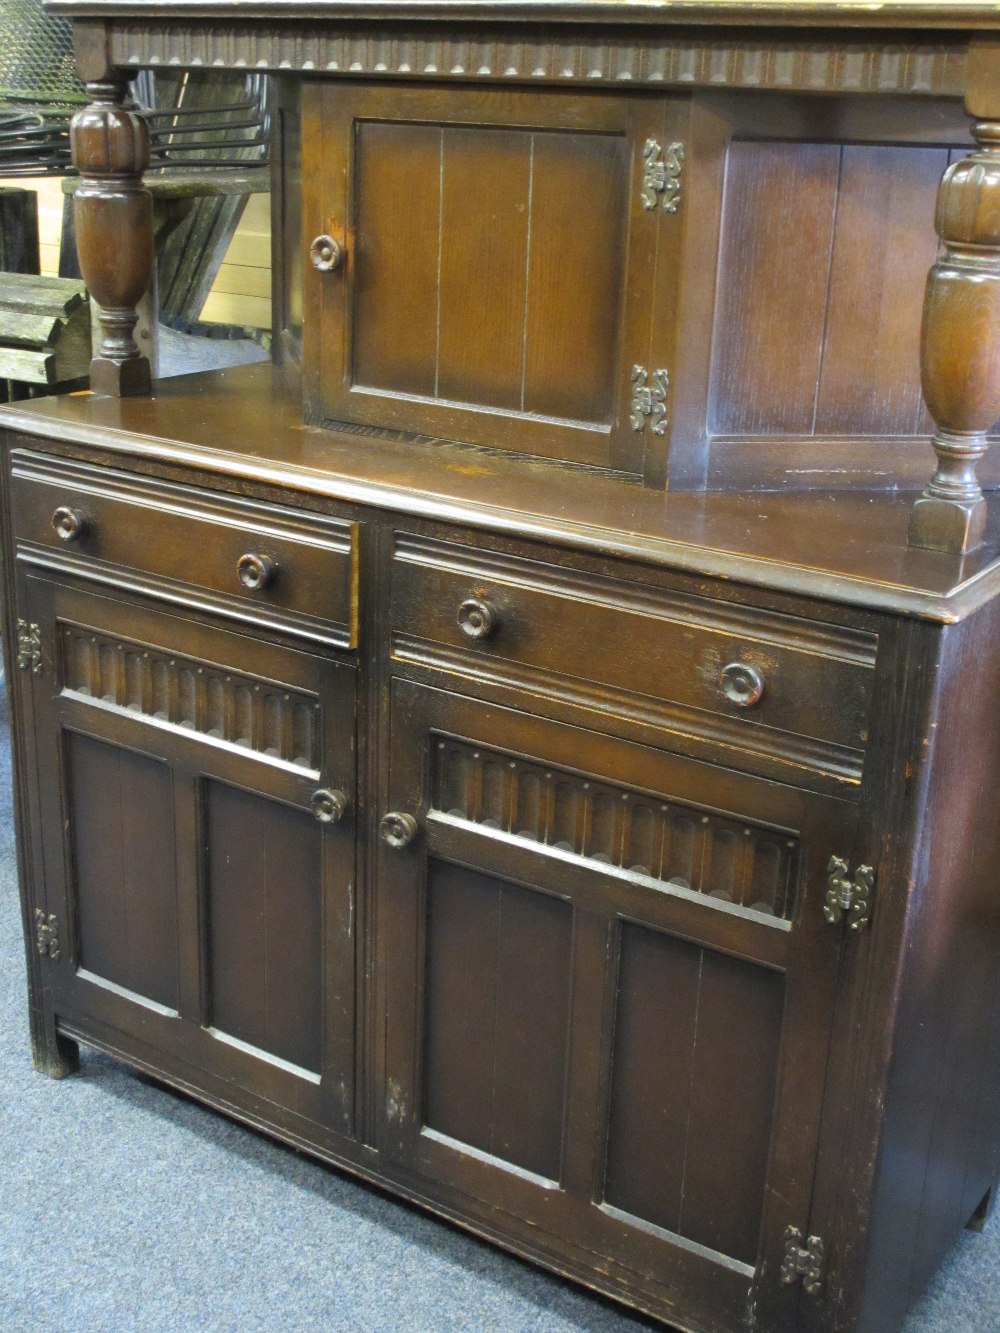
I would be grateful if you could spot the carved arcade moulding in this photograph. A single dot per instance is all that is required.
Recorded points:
(935, 67)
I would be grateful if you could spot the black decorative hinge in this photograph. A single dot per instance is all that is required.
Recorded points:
(29, 647)
(47, 935)
(848, 893)
(661, 175)
(802, 1261)
(649, 400)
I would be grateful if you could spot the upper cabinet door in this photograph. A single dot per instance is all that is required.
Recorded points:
(497, 257)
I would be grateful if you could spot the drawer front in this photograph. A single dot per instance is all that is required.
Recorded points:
(240, 559)
(766, 692)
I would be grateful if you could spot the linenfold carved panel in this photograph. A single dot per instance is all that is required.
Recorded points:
(728, 860)
(194, 696)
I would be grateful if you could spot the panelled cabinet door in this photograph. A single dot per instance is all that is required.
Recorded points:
(485, 266)
(197, 793)
(609, 997)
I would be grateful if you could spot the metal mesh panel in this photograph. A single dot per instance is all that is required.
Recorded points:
(36, 55)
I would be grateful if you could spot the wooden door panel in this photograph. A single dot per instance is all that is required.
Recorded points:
(398, 191)
(484, 229)
(630, 1057)
(205, 907)
(499, 278)
(263, 885)
(689, 1023)
(120, 820)
(497, 998)
(574, 306)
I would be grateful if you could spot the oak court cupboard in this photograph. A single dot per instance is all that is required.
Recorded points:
(533, 745)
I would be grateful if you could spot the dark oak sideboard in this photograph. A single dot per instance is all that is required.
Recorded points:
(533, 745)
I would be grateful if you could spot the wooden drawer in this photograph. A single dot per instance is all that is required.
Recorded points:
(235, 558)
(652, 659)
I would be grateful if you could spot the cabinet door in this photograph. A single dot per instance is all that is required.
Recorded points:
(201, 887)
(609, 995)
(498, 265)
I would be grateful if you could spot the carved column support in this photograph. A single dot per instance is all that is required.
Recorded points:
(113, 215)
(960, 347)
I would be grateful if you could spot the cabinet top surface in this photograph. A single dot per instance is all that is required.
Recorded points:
(752, 13)
(243, 425)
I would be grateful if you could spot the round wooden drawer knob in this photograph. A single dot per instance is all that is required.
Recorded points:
(477, 619)
(397, 830)
(69, 524)
(742, 684)
(328, 806)
(256, 571)
(326, 254)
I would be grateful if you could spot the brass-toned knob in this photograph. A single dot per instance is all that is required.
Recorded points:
(477, 619)
(256, 571)
(326, 254)
(329, 806)
(69, 524)
(398, 830)
(742, 684)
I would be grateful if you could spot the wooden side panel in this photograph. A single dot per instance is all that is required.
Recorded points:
(121, 821)
(778, 227)
(940, 1150)
(884, 245)
(398, 230)
(691, 1023)
(263, 888)
(497, 1015)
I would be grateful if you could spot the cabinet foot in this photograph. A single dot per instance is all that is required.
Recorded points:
(54, 1054)
(985, 1209)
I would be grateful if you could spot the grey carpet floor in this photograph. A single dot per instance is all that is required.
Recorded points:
(125, 1208)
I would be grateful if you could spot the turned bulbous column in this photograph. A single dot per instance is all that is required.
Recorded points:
(113, 214)
(960, 347)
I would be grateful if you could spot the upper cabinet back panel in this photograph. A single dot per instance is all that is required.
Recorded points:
(824, 253)
(502, 252)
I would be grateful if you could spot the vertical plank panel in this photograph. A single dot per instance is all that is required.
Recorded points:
(460, 1003)
(484, 239)
(497, 995)
(235, 901)
(579, 200)
(121, 821)
(293, 927)
(651, 1075)
(733, 1081)
(264, 899)
(777, 236)
(397, 189)
(884, 245)
(533, 990)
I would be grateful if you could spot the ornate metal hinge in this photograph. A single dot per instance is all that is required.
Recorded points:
(47, 935)
(29, 647)
(661, 175)
(802, 1261)
(850, 894)
(649, 400)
